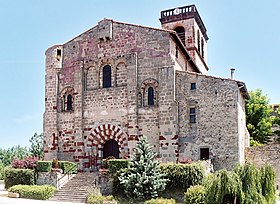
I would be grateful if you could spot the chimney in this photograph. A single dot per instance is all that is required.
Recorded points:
(232, 73)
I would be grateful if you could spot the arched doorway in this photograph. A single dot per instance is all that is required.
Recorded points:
(111, 148)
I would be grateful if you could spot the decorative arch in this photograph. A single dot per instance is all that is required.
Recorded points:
(103, 133)
(121, 73)
(149, 92)
(67, 99)
(91, 77)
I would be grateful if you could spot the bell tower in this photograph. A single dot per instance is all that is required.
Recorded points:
(190, 28)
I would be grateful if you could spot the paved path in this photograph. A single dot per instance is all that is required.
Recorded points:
(6, 200)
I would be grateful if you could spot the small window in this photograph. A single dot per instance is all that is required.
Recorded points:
(151, 100)
(58, 54)
(198, 41)
(193, 86)
(107, 73)
(192, 115)
(204, 153)
(202, 48)
(176, 52)
(69, 103)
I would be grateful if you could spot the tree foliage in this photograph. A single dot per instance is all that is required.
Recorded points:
(143, 180)
(37, 145)
(258, 116)
(16, 152)
(245, 185)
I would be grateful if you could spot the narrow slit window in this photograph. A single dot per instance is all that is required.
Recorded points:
(176, 52)
(198, 41)
(151, 94)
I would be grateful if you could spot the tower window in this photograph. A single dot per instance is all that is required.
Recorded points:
(181, 33)
(58, 54)
(151, 101)
(193, 86)
(198, 41)
(69, 103)
(192, 115)
(107, 73)
(202, 48)
(204, 153)
(176, 52)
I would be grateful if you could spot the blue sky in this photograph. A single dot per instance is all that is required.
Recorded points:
(242, 34)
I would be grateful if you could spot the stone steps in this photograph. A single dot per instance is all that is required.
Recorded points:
(77, 189)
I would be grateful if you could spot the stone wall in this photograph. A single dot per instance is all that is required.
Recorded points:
(55, 179)
(266, 154)
(217, 126)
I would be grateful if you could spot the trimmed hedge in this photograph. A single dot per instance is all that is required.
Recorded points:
(114, 165)
(34, 192)
(160, 201)
(96, 199)
(195, 195)
(44, 166)
(182, 176)
(68, 167)
(18, 176)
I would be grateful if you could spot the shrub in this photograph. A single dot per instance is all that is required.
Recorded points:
(96, 199)
(44, 166)
(68, 167)
(26, 163)
(114, 165)
(105, 161)
(34, 192)
(182, 176)
(160, 201)
(195, 195)
(18, 176)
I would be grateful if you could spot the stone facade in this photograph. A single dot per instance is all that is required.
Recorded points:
(118, 81)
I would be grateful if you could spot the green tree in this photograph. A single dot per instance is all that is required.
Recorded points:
(143, 180)
(258, 116)
(15, 152)
(37, 148)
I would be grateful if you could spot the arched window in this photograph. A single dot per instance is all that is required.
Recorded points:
(181, 33)
(69, 102)
(151, 101)
(107, 73)
(67, 99)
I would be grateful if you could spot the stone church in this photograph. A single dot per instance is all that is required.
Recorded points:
(118, 81)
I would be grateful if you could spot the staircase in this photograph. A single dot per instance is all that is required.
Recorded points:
(77, 189)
